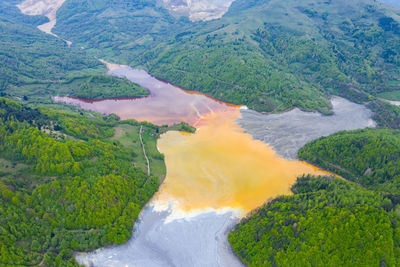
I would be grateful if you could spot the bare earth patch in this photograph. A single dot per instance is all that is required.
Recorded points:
(47, 8)
(198, 9)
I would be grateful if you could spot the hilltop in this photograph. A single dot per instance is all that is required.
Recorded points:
(269, 55)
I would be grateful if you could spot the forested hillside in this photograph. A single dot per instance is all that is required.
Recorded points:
(327, 222)
(34, 64)
(273, 55)
(29, 55)
(370, 157)
(69, 182)
(117, 30)
(270, 55)
(98, 87)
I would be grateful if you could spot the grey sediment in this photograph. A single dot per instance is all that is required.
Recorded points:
(288, 132)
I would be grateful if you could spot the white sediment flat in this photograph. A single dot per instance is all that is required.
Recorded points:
(162, 240)
(288, 132)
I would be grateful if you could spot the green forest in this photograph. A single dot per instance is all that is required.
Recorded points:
(35, 65)
(29, 55)
(326, 222)
(369, 157)
(258, 54)
(117, 30)
(69, 182)
(98, 87)
(74, 181)
(329, 221)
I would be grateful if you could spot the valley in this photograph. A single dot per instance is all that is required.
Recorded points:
(214, 176)
(224, 133)
(46, 8)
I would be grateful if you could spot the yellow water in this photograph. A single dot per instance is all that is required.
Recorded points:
(221, 166)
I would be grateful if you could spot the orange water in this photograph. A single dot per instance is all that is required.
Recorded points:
(220, 166)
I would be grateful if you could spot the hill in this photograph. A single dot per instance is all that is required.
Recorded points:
(29, 55)
(35, 65)
(370, 157)
(269, 55)
(327, 222)
(70, 182)
(116, 30)
(273, 55)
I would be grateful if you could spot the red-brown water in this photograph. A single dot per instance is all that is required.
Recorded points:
(166, 104)
(219, 166)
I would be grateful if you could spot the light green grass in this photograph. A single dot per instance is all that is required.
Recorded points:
(128, 136)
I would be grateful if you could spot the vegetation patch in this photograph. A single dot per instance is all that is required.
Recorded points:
(99, 87)
(370, 157)
(327, 222)
(59, 195)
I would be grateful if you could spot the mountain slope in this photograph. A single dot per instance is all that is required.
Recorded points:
(370, 157)
(269, 55)
(68, 184)
(28, 54)
(272, 55)
(118, 30)
(35, 65)
(327, 222)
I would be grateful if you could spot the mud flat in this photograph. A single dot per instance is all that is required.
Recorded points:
(200, 240)
(288, 132)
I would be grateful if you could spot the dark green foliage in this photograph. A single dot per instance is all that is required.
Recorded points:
(370, 157)
(28, 55)
(385, 114)
(327, 222)
(183, 126)
(270, 59)
(13, 110)
(100, 87)
(65, 194)
(35, 64)
(116, 29)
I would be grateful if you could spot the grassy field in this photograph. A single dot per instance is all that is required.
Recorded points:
(128, 135)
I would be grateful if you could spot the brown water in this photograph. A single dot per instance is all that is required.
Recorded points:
(166, 104)
(219, 166)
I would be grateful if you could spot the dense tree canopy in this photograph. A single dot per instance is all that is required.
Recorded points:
(327, 222)
(35, 64)
(67, 184)
(261, 55)
(370, 157)
(99, 87)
